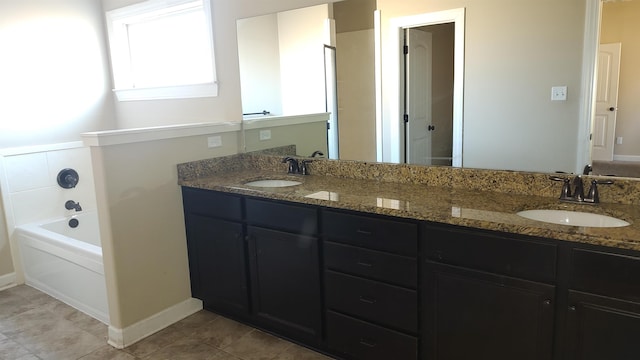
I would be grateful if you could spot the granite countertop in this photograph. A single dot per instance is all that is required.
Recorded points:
(472, 208)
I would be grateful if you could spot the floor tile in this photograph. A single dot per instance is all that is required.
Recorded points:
(257, 345)
(11, 304)
(196, 321)
(187, 349)
(36, 320)
(296, 352)
(88, 324)
(154, 342)
(10, 349)
(222, 332)
(108, 352)
(61, 341)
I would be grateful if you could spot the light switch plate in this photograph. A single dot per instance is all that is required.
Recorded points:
(559, 93)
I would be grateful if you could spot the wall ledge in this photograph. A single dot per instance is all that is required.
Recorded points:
(272, 121)
(127, 136)
(121, 338)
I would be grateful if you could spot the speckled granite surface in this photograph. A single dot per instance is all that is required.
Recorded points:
(484, 199)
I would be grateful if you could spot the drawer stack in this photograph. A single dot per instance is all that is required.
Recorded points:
(370, 273)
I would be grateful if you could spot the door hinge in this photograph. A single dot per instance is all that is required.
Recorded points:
(406, 118)
(590, 137)
(405, 49)
(328, 126)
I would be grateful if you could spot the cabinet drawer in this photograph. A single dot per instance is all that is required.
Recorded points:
(520, 258)
(273, 215)
(377, 265)
(211, 203)
(374, 233)
(374, 301)
(609, 274)
(361, 340)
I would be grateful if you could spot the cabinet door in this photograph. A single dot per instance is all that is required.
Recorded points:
(477, 315)
(218, 263)
(285, 281)
(602, 328)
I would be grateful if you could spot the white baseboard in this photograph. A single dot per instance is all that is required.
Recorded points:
(8, 280)
(626, 158)
(121, 338)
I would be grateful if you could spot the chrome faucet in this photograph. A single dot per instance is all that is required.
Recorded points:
(593, 196)
(72, 205)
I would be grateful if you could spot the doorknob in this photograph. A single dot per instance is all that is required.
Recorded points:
(612, 109)
(431, 127)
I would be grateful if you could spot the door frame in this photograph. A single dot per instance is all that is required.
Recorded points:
(395, 126)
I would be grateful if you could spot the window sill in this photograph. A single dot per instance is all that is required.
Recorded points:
(168, 92)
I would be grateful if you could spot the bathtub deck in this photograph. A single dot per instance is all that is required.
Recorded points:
(34, 326)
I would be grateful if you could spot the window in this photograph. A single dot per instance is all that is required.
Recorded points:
(162, 49)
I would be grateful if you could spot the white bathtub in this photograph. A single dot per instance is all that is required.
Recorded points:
(66, 262)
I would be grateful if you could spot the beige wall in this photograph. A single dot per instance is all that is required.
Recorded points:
(511, 63)
(227, 105)
(306, 137)
(54, 70)
(621, 23)
(142, 225)
(356, 95)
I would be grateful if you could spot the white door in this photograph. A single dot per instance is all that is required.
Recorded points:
(418, 97)
(604, 122)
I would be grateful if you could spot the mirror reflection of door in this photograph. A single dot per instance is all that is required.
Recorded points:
(418, 53)
(604, 122)
(429, 55)
(615, 133)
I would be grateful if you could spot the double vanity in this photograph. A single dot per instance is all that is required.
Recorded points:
(381, 261)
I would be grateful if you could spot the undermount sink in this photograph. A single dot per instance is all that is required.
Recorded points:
(273, 183)
(572, 218)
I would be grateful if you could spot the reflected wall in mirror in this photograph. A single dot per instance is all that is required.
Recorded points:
(619, 26)
(511, 64)
(284, 70)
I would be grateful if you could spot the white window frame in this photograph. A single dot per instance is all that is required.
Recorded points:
(117, 21)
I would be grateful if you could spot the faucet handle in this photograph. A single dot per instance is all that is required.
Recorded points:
(565, 193)
(304, 168)
(594, 195)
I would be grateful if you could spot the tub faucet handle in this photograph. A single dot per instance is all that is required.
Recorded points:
(72, 205)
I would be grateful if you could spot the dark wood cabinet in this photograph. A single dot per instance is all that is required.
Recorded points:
(601, 327)
(217, 251)
(487, 295)
(370, 286)
(366, 286)
(477, 315)
(221, 265)
(286, 282)
(603, 314)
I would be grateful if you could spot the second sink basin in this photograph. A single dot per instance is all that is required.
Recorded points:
(572, 218)
(273, 183)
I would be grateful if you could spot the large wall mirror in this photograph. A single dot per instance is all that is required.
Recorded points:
(511, 64)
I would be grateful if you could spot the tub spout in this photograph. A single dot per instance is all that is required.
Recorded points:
(72, 205)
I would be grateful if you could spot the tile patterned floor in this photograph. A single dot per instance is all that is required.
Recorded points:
(36, 326)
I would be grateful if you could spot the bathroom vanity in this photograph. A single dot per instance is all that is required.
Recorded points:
(363, 269)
